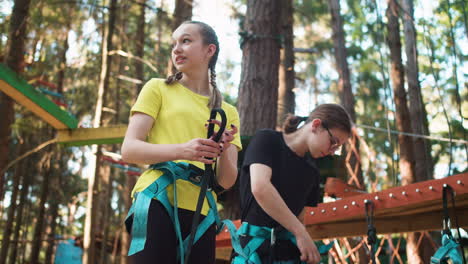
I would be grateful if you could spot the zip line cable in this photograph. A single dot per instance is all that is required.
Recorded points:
(455, 141)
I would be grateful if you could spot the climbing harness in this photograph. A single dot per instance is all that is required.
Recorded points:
(371, 231)
(259, 234)
(450, 249)
(172, 172)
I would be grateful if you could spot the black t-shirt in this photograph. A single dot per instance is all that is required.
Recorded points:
(296, 178)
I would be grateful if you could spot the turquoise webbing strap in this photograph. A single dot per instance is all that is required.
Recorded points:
(140, 220)
(235, 241)
(171, 173)
(140, 209)
(207, 221)
(259, 234)
(449, 250)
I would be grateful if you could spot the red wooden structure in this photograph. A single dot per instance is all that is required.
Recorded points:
(414, 207)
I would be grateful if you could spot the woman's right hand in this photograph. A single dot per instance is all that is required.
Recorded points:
(201, 149)
(309, 252)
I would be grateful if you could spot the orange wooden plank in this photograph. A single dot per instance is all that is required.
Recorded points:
(399, 199)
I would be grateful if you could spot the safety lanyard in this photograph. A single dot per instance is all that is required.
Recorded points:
(446, 190)
(208, 177)
(371, 231)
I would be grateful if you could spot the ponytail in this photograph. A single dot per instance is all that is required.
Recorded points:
(331, 115)
(292, 122)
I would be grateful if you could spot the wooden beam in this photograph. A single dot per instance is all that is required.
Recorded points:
(424, 221)
(410, 199)
(24, 94)
(88, 136)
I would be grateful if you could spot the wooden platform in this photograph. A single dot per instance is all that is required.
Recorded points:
(415, 207)
(88, 136)
(24, 94)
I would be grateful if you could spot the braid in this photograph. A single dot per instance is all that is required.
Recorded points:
(172, 78)
(216, 97)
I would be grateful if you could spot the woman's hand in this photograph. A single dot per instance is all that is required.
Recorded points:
(228, 135)
(309, 252)
(202, 150)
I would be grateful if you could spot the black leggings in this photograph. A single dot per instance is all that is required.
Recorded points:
(161, 241)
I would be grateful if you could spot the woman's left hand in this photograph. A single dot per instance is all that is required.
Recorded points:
(228, 134)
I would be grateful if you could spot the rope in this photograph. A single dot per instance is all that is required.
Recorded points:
(246, 36)
(456, 141)
(371, 231)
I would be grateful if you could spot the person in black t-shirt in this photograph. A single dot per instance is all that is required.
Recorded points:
(279, 177)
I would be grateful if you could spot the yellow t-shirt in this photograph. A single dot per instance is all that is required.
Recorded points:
(179, 115)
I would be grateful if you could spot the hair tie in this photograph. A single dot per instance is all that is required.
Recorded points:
(178, 76)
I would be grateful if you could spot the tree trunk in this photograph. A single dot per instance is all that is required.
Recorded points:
(14, 59)
(119, 60)
(258, 89)
(182, 12)
(89, 245)
(8, 228)
(38, 229)
(106, 187)
(56, 170)
(28, 219)
(397, 77)
(286, 98)
(125, 240)
(140, 45)
(423, 161)
(52, 230)
(26, 182)
(344, 87)
(421, 147)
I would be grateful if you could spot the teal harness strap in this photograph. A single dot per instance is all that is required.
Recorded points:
(449, 250)
(171, 173)
(258, 234)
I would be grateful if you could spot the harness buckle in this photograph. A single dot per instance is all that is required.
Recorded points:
(272, 237)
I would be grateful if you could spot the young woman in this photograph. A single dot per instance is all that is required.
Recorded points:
(279, 178)
(168, 128)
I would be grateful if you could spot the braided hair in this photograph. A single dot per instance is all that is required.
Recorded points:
(209, 37)
(332, 116)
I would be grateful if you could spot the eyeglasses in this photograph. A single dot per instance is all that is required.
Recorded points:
(334, 144)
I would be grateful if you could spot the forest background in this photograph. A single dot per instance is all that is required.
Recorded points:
(394, 65)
